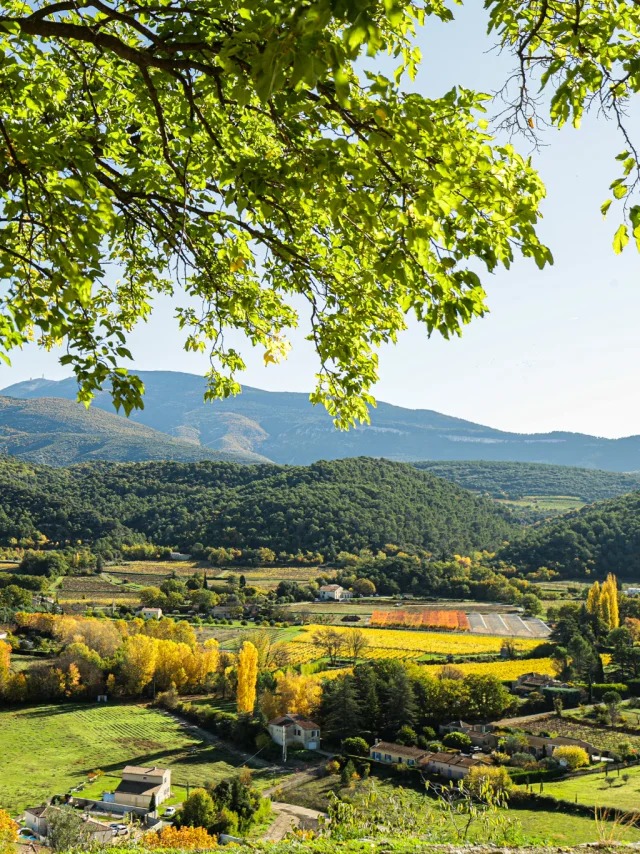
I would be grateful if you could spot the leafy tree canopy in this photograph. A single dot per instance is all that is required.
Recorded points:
(230, 148)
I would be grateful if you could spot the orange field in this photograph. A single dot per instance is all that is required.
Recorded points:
(455, 621)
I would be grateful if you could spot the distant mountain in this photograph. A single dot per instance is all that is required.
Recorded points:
(326, 507)
(59, 432)
(519, 480)
(286, 428)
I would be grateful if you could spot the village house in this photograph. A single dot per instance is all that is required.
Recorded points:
(295, 729)
(527, 683)
(140, 786)
(543, 746)
(35, 819)
(3, 635)
(396, 754)
(151, 613)
(334, 592)
(453, 766)
(481, 735)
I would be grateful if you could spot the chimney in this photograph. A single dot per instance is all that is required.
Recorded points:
(376, 741)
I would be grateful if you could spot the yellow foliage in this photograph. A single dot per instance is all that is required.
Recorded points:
(247, 676)
(295, 693)
(187, 838)
(8, 833)
(417, 643)
(502, 669)
(5, 659)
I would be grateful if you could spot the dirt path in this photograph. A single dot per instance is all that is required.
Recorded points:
(289, 816)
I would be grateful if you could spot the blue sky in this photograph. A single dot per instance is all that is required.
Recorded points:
(559, 349)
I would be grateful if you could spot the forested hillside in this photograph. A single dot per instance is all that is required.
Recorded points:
(595, 540)
(516, 480)
(60, 432)
(327, 507)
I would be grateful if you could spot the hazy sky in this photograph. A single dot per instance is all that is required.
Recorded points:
(559, 350)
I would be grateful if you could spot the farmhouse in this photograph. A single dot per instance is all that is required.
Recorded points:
(295, 729)
(529, 682)
(542, 746)
(151, 613)
(334, 592)
(140, 785)
(453, 766)
(36, 820)
(397, 754)
(481, 735)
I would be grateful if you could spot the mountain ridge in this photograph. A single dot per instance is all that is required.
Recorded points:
(59, 432)
(285, 428)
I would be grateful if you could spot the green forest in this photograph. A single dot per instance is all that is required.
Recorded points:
(328, 507)
(598, 539)
(518, 480)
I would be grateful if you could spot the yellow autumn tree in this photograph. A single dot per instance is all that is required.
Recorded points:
(171, 664)
(611, 585)
(5, 661)
(139, 655)
(202, 662)
(295, 693)
(179, 838)
(593, 598)
(247, 677)
(8, 833)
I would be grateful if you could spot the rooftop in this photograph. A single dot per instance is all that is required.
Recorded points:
(291, 720)
(145, 772)
(398, 749)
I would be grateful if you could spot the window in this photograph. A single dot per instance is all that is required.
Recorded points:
(410, 762)
(387, 757)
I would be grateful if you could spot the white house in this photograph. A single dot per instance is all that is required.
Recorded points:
(334, 592)
(632, 591)
(139, 785)
(295, 729)
(151, 613)
(3, 635)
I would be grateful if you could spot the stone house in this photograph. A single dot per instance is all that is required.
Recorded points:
(35, 819)
(397, 754)
(334, 592)
(295, 729)
(151, 613)
(139, 785)
(453, 766)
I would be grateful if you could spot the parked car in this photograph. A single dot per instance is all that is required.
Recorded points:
(169, 812)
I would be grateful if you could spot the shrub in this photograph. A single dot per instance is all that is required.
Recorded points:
(572, 757)
(184, 838)
(457, 740)
(355, 746)
(494, 777)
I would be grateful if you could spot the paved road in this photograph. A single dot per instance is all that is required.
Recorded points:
(288, 817)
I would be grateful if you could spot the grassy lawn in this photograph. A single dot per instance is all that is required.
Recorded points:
(592, 789)
(556, 828)
(47, 750)
(549, 828)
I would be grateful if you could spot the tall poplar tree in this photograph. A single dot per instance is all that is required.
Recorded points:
(247, 678)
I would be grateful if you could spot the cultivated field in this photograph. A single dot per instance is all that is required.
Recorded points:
(604, 738)
(416, 644)
(504, 670)
(48, 749)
